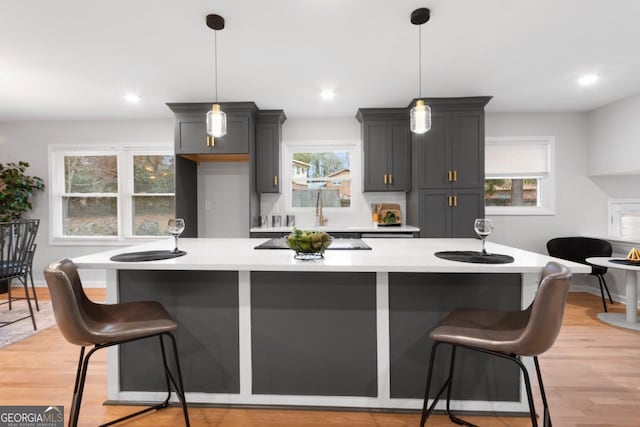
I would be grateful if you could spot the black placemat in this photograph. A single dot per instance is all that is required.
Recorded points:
(475, 257)
(147, 256)
(626, 262)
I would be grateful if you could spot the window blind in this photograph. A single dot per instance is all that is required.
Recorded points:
(516, 159)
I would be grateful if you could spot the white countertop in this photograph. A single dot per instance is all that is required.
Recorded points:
(387, 255)
(341, 229)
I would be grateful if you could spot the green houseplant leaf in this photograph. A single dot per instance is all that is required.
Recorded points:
(16, 190)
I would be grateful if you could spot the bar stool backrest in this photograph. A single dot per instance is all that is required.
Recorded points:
(578, 249)
(75, 313)
(546, 311)
(16, 240)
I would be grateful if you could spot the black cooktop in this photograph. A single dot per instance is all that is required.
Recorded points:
(337, 244)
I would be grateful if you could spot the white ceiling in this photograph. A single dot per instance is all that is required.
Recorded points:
(75, 59)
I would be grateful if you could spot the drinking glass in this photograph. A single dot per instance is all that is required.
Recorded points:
(176, 227)
(483, 228)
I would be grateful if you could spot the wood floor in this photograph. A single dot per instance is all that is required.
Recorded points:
(592, 376)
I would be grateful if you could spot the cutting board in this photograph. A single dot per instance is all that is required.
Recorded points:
(390, 211)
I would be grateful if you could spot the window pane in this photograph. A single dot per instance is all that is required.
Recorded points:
(91, 174)
(630, 224)
(325, 172)
(153, 174)
(511, 192)
(90, 216)
(151, 214)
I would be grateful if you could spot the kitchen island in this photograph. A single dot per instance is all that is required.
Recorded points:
(257, 327)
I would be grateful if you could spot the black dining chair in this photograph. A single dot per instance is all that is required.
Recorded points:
(578, 249)
(16, 257)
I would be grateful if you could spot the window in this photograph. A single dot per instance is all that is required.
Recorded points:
(320, 173)
(624, 219)
(519, 176)
(110, 194)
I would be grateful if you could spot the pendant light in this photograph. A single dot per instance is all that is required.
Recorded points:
(420, 115)
(216, 118)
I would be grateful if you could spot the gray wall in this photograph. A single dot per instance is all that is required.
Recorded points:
(28, 141)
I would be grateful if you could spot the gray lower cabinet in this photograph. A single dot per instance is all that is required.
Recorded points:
(386, 145)
(450, 213)
(268, 140)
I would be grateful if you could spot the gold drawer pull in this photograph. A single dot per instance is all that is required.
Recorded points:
(210, 141)
(455, 201)
(449, 176)
(455, 176)
(390, 179)
(449, 202)
(385, 178)
(275, 181)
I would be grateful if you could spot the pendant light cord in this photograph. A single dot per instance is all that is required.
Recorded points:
(215, 61)
(420, 60)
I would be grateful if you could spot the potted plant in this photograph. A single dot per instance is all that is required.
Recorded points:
(16, 190)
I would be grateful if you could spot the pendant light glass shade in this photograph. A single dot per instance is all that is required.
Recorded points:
(420, 118)
(216, 122)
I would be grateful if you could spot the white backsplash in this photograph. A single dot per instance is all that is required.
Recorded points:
(359, 214)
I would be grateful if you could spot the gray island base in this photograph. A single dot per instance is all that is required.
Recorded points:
(347, 331)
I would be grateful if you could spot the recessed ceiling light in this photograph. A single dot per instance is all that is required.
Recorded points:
(132, 98)
(328, 94)
(588, 79)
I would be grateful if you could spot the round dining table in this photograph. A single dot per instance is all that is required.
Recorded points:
(630, 318)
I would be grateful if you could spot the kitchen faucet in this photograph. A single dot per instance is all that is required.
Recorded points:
(320, 219)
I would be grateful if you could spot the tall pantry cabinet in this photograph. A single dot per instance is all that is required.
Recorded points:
(447, 191)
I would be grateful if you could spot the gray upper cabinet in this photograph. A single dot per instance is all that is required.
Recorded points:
(268, 141)
(191, 133)
(386, 145)
(452, 152)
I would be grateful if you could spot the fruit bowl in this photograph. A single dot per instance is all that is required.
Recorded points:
(308, 245)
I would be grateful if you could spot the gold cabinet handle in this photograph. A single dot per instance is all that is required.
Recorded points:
(455, 201)
(455, 176)
(211, 141)
(385, 178)
(390, 179)
(449, 176)
(449, 202)
(275, 181)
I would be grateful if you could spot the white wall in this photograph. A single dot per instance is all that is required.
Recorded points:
(28, 141)
(614, 160)
(613, 138)
(334, 130)
(581, 205)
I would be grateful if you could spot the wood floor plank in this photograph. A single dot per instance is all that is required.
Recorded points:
(592, 376)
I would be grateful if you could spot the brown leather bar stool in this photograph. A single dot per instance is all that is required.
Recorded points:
(85, 323)
(506, 334)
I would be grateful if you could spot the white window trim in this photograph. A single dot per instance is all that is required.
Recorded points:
(547, 190)
(291, 147)
(613, 229)
(125, 190)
